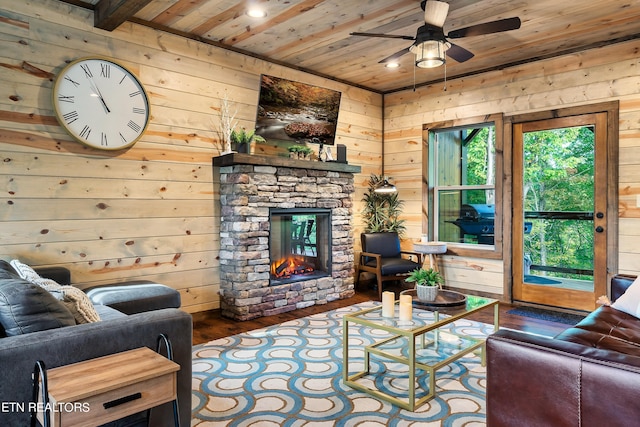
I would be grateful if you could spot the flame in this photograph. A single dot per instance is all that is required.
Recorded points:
(289, 266)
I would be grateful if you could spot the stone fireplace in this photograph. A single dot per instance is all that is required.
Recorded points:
(285, 234)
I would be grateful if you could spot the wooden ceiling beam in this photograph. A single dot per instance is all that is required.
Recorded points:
(110, 14)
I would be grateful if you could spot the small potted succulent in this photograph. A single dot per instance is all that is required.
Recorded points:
(242, 139)
(428, 282)
(299, 151)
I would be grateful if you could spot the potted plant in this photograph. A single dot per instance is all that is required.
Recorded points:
(242, 139)
(427, 282)
(293, 151)
(299, 151)
(306, 152)
(382, 211)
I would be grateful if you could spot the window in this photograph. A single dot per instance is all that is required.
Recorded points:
(464, 198)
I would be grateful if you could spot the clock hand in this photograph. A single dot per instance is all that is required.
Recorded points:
(105, 104)
(94, 86)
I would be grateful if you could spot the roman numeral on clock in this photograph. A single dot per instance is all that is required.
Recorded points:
(70, 117)
(69, 79)
(136, 127)
(87, 70)
(105, 71)
(103, 139)
(138, 110)
(66, 98)
(84, 133)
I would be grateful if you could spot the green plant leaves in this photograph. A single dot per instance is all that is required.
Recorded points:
(425, 277)
(382, 210)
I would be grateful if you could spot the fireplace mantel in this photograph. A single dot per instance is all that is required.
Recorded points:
(231, 159)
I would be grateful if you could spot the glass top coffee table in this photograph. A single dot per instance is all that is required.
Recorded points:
(418, 343)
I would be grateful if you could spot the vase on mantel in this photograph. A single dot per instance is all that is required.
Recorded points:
(242, 147)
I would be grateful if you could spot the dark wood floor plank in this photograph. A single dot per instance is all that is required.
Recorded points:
(210, 325)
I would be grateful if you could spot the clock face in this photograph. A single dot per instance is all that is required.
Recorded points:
(101, 103)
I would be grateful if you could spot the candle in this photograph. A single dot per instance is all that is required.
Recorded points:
(406, 304)
(388, 303)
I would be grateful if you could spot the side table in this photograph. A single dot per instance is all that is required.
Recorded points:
(432, 249)
(105, 389)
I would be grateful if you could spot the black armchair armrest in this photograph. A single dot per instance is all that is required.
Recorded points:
(378, 257)
(418, 255)
(364, 255)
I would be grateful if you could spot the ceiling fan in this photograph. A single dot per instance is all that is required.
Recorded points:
(430, 42)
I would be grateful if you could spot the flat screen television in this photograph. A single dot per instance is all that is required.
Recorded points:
(294, 111)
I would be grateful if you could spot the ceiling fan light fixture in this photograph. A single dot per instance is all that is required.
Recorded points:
(256, 12)
(430, 53)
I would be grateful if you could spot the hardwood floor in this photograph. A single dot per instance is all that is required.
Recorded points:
(208, 326)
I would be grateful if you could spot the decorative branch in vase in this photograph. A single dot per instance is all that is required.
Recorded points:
(227, 123)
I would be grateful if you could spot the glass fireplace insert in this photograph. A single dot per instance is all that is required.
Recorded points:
(299, 244)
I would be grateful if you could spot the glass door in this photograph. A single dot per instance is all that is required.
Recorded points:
(560, 209)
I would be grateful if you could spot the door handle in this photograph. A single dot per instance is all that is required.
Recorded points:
(599, 229)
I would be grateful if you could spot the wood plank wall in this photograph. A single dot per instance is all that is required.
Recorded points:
(149, 212)
(606, 74)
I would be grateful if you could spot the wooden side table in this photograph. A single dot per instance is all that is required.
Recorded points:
(105, 389)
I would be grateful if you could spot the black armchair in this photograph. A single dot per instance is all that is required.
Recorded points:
(382, 256)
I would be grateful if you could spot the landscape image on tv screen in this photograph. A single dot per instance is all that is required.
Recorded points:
(293, 111)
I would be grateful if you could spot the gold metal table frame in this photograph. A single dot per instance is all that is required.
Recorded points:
(411, 331)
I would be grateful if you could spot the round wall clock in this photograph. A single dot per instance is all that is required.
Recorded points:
(101, 103)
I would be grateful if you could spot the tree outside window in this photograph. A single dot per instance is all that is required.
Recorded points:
(559, 201)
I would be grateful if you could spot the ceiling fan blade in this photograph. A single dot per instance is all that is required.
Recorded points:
(458, 53)
(386, 36)
(435, 12)
(486, 28)
(394, 56)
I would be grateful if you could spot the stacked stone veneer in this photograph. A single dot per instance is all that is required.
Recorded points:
(246, 194)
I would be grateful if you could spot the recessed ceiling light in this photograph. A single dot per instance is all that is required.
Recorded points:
(392, 65)
(256, 13)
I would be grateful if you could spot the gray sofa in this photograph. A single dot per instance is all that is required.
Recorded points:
(59, 346)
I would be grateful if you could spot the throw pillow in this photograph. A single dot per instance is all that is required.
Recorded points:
(25, 308)
(6, 271)
(24, 271)
(76, 301)
(629, 302)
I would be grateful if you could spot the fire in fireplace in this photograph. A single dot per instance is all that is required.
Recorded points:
(299, 244)
(291, 266)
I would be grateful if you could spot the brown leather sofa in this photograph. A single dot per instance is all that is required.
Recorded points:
(587, 376)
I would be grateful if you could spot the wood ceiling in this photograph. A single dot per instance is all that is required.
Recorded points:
(313, 35)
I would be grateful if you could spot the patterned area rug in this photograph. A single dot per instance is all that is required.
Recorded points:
(291, 375)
